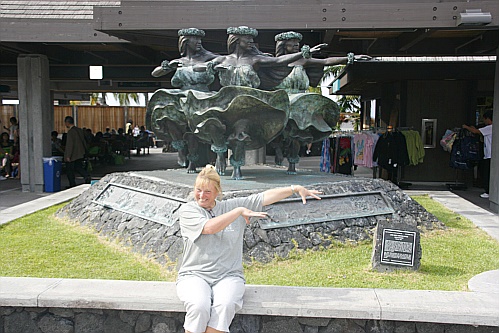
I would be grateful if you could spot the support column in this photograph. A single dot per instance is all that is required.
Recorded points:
(494, 163)
(36, 118)
(256, 156)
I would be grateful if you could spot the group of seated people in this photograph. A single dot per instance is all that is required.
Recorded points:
(9, 157)
(109, 147)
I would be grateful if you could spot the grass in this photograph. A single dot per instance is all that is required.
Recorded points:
(40, 245)
(450, 258)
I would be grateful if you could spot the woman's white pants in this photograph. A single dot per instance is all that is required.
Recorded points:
(210, 306)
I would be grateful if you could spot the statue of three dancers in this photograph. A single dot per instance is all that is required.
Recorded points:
(263, 99)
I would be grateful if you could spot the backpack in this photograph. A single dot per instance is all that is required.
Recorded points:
(466, 151)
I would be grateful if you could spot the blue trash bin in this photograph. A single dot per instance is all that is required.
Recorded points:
(52, 167)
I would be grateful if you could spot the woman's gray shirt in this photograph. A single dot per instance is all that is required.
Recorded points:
(213, 257)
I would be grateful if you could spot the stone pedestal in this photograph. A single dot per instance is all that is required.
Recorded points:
(36, 119)
(252, 157)
(142, 207)
(256, 156)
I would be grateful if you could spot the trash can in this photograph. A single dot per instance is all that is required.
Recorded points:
(52, 167)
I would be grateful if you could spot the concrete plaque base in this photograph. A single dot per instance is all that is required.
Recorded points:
(396, 246)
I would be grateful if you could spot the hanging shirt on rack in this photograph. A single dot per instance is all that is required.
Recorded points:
(325, 156)
(359, 141)
(391, 151)
(341, 155)
(415, 148)
(364, 144)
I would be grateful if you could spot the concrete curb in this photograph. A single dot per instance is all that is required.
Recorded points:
(33, 206)
(463, 308)
(485, 220)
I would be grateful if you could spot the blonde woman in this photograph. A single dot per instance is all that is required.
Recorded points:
(210, 280)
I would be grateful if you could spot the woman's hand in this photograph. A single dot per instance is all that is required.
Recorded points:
(304, 193)
(277, 194)
(247, 213)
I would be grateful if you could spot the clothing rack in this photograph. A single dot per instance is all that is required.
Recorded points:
(456, 185)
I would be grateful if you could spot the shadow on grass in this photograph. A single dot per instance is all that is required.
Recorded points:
(441, 270)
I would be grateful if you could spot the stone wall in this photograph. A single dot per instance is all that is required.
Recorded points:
(66, 320)
(164, 243)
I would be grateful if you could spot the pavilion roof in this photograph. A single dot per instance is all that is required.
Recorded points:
(74, 10)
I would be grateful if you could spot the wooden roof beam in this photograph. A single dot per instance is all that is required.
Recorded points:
(142, 52)
(408, 40)
(283, 16)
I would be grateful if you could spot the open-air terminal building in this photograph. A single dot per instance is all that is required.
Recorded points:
(433, 60)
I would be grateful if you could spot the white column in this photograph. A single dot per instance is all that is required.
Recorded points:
(494, 163)
(36, 118)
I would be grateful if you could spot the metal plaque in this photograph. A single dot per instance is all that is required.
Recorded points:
(398, 247)
(148, 205)
(290, 212)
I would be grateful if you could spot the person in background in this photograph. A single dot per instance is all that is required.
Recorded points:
(107, 133)
(121, 134)
(210, 279)
(89, 136)
(13, 130)
(309, 148)
(136, 131)
(5, 156)
(4, 140)
(57, 147)
(142, 139)
(74, 153)
(129, 127)
(486, 132)
(5, 164)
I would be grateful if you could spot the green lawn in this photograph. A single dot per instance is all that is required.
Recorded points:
(450, 258)
(40, 245)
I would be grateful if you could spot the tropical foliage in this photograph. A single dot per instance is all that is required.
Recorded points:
(349, 104)
(122, 98)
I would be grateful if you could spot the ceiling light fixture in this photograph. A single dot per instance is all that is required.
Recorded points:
(473, 17)
(95, 72)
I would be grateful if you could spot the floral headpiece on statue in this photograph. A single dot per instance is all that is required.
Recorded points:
(242, 30)
(288, 35)
(191, 32)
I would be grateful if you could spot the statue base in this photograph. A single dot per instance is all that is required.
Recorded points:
(140, 210)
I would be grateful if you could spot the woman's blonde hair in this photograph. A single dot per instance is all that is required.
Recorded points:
(207, 175)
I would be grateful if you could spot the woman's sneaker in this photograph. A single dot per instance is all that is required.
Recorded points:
(484, 195)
